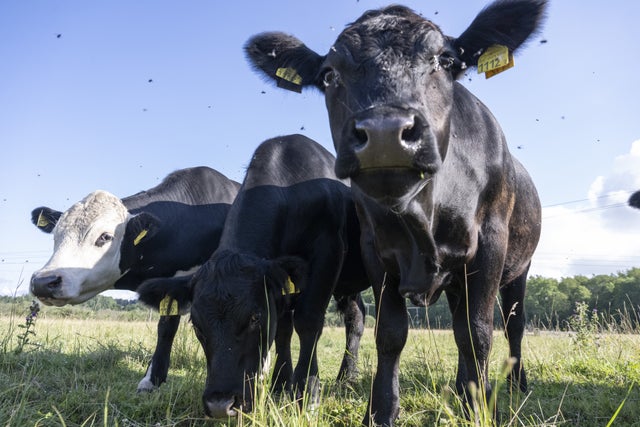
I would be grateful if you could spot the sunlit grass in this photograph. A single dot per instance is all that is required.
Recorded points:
(85, 372)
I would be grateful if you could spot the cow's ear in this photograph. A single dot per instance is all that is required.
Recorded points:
(45, 218)
(288, 275)
(169, 295)
(285, 60)
(141, 228)
(505, 23)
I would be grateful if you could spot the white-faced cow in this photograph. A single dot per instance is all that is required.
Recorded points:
(437, 192)
(104, 242)
(291, 241)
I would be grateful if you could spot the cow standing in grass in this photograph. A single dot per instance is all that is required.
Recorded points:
(291, 241)
(442, 201)
(104, 242)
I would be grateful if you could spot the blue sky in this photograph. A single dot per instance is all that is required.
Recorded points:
(116, 94)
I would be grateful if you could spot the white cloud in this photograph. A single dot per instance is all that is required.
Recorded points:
(599, 236)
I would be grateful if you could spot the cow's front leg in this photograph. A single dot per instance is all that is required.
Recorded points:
(159, 367)
(391, 335)
(461, 372)
(308, 318)
(283, 369)
(308, 326)
(473, 328)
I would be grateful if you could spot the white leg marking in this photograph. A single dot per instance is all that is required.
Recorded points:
(145, 384)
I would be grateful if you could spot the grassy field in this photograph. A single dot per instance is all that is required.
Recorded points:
(84, 373)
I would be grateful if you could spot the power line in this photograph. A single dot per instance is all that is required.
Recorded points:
(604, 196)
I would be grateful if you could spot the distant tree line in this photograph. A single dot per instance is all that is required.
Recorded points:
(99, 307)
(612, 301)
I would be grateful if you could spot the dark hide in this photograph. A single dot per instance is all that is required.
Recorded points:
(634, 200)
(182, 219)
(292, 219)
(443, 205)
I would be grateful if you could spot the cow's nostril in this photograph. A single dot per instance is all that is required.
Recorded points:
(412, 133)
(222, 407)
(360, 136)
(55, 283)
(45, 286)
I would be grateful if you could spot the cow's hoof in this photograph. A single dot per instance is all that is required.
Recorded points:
(146, 386)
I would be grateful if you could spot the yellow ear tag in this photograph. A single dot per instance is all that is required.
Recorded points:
(42, 221)
(494, 60)
(290, 75)
(168, 307)
(290, 288)
(140, 237)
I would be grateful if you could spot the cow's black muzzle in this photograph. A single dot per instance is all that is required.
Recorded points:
(388, 138)
(221, 405)
(45, 286)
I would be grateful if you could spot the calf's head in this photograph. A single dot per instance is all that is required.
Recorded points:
(237, 300)
(88, 242)
(388, 82)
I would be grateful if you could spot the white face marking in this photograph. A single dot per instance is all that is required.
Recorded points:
(266, 366)
(86, 250)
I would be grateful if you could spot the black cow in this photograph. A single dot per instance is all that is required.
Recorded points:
(291, 241)
(104, 242)
(437, 192)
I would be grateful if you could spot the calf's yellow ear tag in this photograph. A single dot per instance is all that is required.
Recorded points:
(42, 221)
(168, 307)
(288, 78)
(290, 288)
(495, 60)
(139, 237)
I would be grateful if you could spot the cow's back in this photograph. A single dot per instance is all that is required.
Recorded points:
(289, 196)
(199, 185)
(192, 205)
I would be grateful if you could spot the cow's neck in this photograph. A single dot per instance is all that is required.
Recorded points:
(405, 242)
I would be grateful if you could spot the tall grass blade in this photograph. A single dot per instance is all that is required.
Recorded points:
(615, 414)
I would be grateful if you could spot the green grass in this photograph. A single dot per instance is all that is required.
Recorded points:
(84, 373)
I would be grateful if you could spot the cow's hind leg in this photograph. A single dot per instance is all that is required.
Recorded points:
(352, 309)
(159, 367)
(512, 296)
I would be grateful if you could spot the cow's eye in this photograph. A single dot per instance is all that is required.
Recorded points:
(103, 239)
(329, 77)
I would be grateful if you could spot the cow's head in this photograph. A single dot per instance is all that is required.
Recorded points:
(388, 82)
(237, 300)
(89, 240)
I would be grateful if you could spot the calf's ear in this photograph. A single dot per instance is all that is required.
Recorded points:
(287, 275)
(45, 218)
(180, 289)
(506, 23)
(141, 228)
(284, 59)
